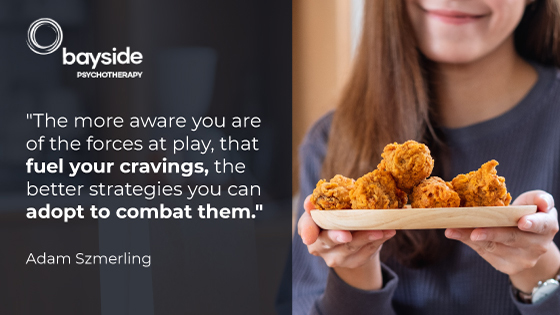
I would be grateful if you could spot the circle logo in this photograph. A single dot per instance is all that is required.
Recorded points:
(32, 41)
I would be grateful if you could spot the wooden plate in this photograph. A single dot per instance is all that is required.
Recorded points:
(428, 218)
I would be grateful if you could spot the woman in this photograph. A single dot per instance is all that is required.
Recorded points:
(476, 80)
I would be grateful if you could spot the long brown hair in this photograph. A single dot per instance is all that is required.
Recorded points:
(388, 99)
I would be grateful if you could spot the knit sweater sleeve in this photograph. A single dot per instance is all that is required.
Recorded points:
(550, 305)
(316, 289)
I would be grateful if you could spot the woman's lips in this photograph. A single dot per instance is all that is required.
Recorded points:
(453, 17)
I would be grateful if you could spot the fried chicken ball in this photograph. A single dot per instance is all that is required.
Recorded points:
(409, 163)
(334, 194)
(377, 190)
(482, 187)
(434, 193)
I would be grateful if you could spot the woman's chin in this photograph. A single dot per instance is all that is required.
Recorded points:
(452, 57)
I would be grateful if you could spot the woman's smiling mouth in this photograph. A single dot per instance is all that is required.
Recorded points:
(453, 16)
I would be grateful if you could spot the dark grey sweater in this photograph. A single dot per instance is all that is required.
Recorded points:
(526, 142)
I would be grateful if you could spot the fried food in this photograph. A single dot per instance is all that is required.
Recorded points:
(377, 190)
(482, 187)
(409, 163)
(334, 194)
(434, 192)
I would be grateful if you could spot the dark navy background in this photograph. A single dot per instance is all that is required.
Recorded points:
(201, 57)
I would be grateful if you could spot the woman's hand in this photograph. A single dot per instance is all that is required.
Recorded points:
(527, 252)
(354, 256)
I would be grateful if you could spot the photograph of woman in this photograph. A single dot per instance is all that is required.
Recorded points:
(474, 80)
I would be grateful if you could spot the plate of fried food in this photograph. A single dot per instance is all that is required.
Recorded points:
(378, 200)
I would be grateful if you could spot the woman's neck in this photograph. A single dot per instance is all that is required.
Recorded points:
(483, 89)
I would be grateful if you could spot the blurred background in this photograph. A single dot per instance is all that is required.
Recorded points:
(324, 38)
(201, 57)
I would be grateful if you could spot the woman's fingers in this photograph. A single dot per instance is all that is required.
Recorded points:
(507, 259)
(543, 200)
(540, 222)
(307, 229)
(458, 234)
(483, 247)
(307, 205)
(330, 243)
(361, 238)
(515, 249)
(504, 235)
(507, 249)
(332, 238)
(339, 248)
(364, 254)
(509, 236)
(327, 240)
(464, 235)
(352, 254)
(543, 223)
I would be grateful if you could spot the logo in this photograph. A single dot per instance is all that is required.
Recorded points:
(85, 58)
(32, 41)
(105, 58)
